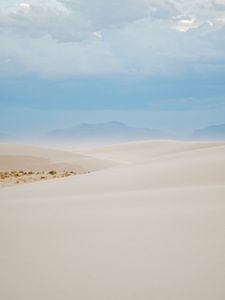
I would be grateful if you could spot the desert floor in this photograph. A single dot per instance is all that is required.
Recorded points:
(143, 220)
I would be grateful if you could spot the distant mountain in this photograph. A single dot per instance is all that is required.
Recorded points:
(111, 131)
(216, 132)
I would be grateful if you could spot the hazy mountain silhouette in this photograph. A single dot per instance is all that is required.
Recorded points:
(111, 131)
(216, 132)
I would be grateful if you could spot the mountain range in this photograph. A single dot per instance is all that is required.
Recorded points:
(117, 132)
(110, 131)
(216, 132)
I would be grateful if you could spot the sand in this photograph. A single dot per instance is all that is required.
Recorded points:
(147, 222)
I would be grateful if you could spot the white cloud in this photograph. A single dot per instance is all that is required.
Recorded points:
(25, 5)
(71, 37)
(185, 23)
(48, 58)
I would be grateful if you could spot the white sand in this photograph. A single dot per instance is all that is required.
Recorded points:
(147, 223)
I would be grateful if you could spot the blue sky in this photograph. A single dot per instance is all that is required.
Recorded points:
(150, 63)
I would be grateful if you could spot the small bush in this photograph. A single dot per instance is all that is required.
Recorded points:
(52, 172)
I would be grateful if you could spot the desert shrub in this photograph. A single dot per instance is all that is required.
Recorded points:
(53, 172)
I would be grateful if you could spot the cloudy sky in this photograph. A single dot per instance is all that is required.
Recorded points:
(155, 63)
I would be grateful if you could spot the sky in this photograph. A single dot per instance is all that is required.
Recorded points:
(151, 63)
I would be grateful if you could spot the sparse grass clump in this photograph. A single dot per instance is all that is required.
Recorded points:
(52, 172)
(18, 177)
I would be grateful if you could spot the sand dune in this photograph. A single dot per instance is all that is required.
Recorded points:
(148, 222)
(53, 156)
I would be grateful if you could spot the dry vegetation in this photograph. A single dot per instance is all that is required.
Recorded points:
(18, 177)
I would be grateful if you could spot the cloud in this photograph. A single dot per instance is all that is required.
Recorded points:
(29, 56)
(150, 37)
(219, 4)
(39, 19)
